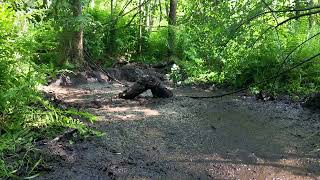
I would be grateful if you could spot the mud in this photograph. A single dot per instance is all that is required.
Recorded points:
(234, 137)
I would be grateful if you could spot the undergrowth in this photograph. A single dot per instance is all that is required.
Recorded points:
(25, 116)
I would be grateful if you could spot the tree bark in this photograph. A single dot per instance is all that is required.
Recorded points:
(146, 17)
(140, 26)
(171, 31)
(144, 83)
(45, 4)
(112, 32)
(77, 40)
(311, 3)
(297, 5)
(160, 13)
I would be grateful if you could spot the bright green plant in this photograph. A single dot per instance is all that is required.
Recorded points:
(224, 44)
(24, 115)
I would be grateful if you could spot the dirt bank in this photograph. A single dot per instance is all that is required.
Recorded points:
(183, 138)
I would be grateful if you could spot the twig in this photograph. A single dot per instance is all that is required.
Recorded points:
(296, 17)
(274, 11)
(292, 51)
(125, 7)
(66, 135)
(126, 13)
(317, 34)
(278, 24)
(281, 23)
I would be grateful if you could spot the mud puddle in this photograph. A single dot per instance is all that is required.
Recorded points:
(183, 138)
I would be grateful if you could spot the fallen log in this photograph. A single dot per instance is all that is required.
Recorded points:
(143, 84)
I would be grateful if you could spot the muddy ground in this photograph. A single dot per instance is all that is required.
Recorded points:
(234, 137)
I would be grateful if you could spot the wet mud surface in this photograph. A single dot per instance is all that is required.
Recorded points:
(234, 137)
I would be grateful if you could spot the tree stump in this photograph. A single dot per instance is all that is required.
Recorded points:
(143, 84)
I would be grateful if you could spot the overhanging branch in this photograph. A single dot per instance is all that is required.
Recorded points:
(261, 82)
(276, 11)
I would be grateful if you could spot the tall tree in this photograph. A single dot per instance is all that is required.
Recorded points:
(311, 4)
(112, 32)
(77, 40)
(171, 32)
(140, 26)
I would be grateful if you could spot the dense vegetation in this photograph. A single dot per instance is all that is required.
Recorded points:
(270, 46)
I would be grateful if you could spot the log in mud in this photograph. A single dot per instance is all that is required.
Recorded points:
(145, 83)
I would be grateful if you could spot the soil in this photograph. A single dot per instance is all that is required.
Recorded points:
(234, 137)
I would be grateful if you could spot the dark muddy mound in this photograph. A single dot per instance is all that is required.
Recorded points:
(133, 72)
(127, 73)
(76, 78)
(313, 101)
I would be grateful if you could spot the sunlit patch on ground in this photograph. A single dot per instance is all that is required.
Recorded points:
(126, 113)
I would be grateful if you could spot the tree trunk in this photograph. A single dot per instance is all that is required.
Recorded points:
(45, 4)
(77, 40)
(311, 3)
(173, 12)
(152, 15)
(171, 31)
(140, 26)
(146, 17)
(160, 12)
(112, 32)
(297, 5)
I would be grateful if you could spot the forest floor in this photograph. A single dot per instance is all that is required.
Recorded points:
(234, 137)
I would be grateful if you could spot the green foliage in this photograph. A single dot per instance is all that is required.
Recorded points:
(107, 36)
(217, 42)
(95, 33)
(110, 37)
(24, 116)
(175, 74)
(214, 48)
(220, 42)
(157, 46)
(44, 43)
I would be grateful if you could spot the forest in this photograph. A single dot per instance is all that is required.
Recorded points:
(235, 89)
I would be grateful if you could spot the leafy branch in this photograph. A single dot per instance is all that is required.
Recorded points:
(280, 11)
(261, 82)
